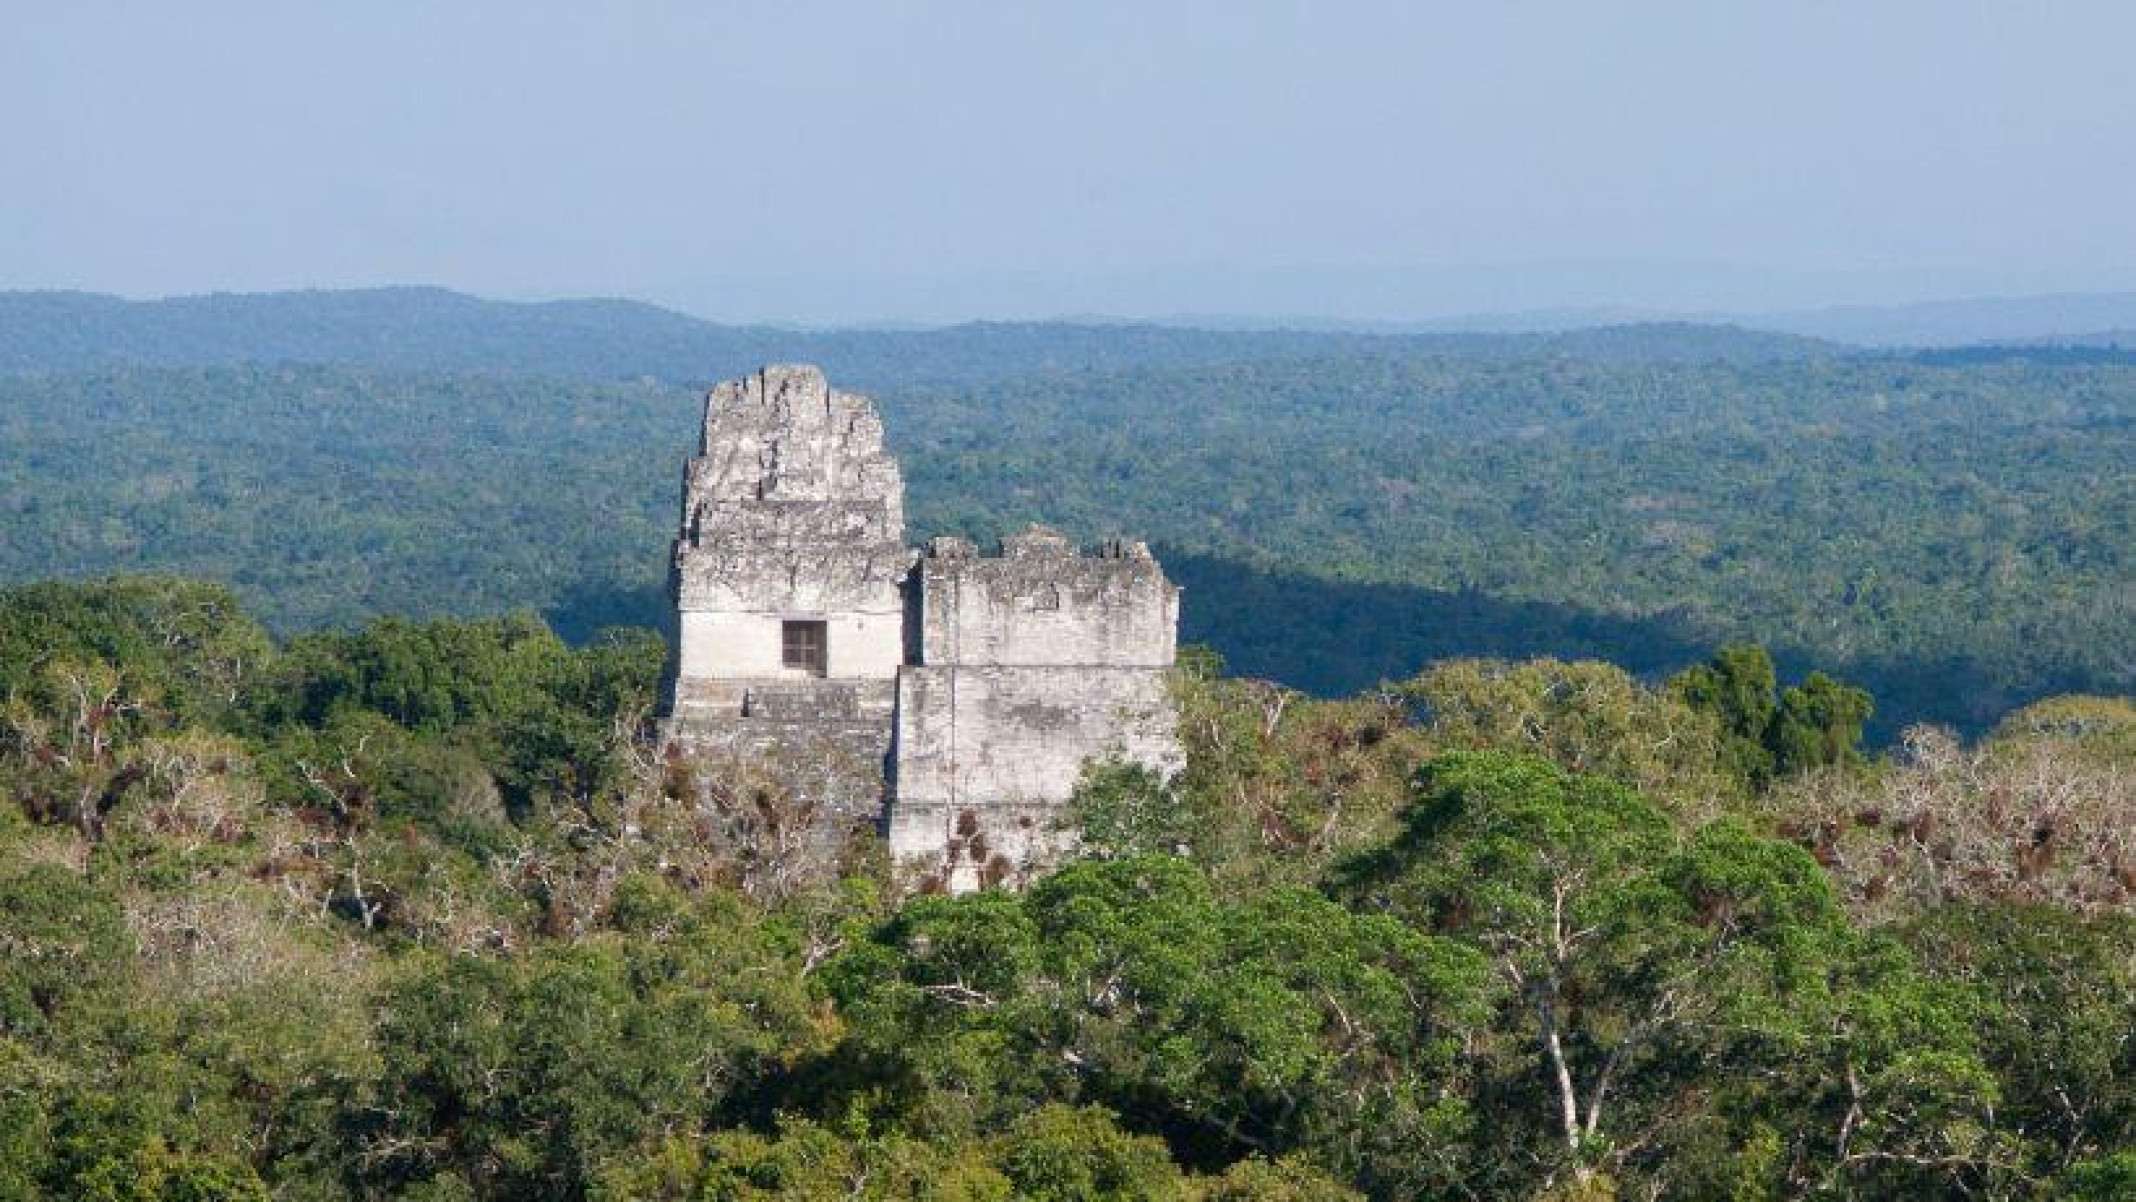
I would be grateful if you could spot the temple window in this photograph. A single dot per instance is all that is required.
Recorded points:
(805, 647)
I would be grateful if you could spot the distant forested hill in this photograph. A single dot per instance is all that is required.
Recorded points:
(430, 329)
(1955, 537)
(2067, 316)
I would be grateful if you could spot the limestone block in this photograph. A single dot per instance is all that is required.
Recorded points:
(995, 752)
(1040, 603)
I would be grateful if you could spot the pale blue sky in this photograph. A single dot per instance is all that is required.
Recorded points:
(841, 162)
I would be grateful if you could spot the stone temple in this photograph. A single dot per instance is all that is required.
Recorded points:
(950, 698)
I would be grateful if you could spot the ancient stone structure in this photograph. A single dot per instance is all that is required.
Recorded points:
(950, 697)
(789, 581)
(1028, 664)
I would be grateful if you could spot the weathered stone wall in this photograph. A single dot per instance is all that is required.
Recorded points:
(728, 644)
(1031, 664)
(791, 509)
(985, 756)
(827, 742)
(1041, 603)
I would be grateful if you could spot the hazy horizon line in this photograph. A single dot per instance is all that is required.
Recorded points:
(1541, 318)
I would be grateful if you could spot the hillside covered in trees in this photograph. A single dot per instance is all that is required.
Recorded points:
(320, 880)
(1952, 531)
(432, 329)
(415, 911)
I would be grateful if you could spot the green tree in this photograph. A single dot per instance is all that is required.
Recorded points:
(526, 1077)
(1122, 809)
(1631, 956)
(1288, 1180)
(63, 945)
(1280, 1024)
(1769, 732)
(1587, 717)
(1737, 686)
(2056, 1013)
(1818, 725)
(183, 650)
(1059, 1154)
(2107, 1179)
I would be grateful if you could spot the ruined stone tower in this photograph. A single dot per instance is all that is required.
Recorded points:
(788, 577)
(949, 697)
